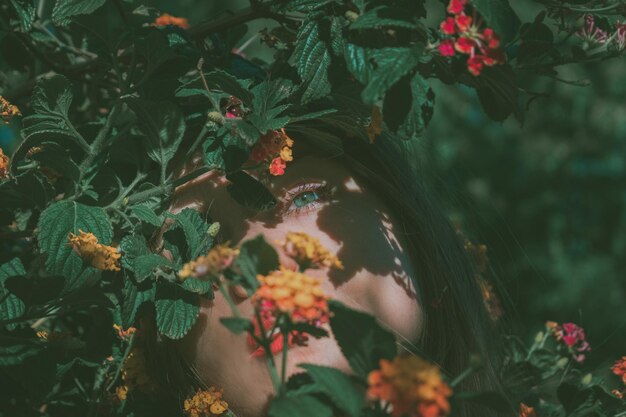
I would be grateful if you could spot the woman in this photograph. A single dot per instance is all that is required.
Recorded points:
(402, 261)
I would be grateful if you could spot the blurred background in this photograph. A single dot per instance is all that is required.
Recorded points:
(548, 197)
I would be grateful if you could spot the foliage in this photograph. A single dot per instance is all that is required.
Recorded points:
(112, 104)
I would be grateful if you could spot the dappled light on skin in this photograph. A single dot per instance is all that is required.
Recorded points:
(319, 197)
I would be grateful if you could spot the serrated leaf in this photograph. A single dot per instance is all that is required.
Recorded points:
(384, 16)
(144, 213)
(236, 325)
(145, 265)
(268, 106)
(163, 126)
(361, 339)
(26, 12)
(55, 224)
(256, 256)
(304, 5)
(134, 295)
(338, 387)
(408, 106)
(219, 81)
(299, 406)
(500, 16)
(64, 10)
(312, 59)
(249, 192)
(176, 310)
(195, 230)
(11, 306)
(199, 286)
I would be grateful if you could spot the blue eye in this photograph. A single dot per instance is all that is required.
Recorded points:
(305, 198)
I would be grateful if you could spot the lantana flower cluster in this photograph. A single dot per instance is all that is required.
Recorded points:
(8, 110)
(274, 146)
(308, 252)
(293, 293)
(219, 258)
(205, 403)
(96, 254)
(619, 369)
(593, 34)
(572, 336)
(4, 165)
(466, 36)
(168, 20)
(412, 386)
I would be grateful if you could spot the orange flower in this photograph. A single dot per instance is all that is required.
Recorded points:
(526, 411)
(309, 252)
(412, 386)
(167, 19)
(205, 403)
(213, 263)
(619, 368)
(292, 293)
(8, 110)
(124, 334)
(97, 255)
(275, 145)
(4, 165)
(277, 166)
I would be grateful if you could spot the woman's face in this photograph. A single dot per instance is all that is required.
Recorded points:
(318, 196)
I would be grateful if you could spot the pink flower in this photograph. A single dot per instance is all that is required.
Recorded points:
(590, 33)
(475, 65)
(492, 40)
(447, 26)
(464, 45)
(573, 336)
(456, 6)
(446, 47)
(463, 22)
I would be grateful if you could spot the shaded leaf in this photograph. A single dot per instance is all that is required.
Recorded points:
(64, 10)
(338, 387)
(236, 325)
(176, 310)
(11, 306)
(256, 256)
(312, 58)
(249, 192)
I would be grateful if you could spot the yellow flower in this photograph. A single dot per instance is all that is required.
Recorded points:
(412, 386)
(121, 392)
(213, 263)
(375, 127)
(309, 252)
(286, 154)
(205, 403)
(293, 293)
(97, 255)
(4, 165)
(8, 110)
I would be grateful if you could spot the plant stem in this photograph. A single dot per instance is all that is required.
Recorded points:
(283, 371)
(269, 359)
(121, 364)
(228, 298)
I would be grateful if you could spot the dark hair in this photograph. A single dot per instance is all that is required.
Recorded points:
(456, 328)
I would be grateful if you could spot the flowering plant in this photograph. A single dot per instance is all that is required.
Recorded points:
(110, 97)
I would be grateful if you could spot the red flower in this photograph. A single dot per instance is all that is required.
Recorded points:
(456, 6)
(464, 45)
(619, 368)
(446, 47)
(475, 65)
(463, 22)
(447, 26)
(491, 39)
(277, 166)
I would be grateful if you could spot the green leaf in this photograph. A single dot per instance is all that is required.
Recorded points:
(144, 213)
(163, 125)
(176, 310)
(338, 387)
(312, 59)
(384, 16)
(408, 106)
(256, 256)
(199, 286)
(498, 92)
(218, 81)
(249, 192)
(267, 107)
(304, 5)
(27, 190)
(26, 12)
(55, 224)
(64, 10)
(14, 352)
(299, 406)
(236, 325)
(379, 69)
(11, 306)
(145, 265)
(195, 230)
(134, 295)
(500, 16)
(362, 341)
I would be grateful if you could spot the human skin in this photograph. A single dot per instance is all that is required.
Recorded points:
(348, 219)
